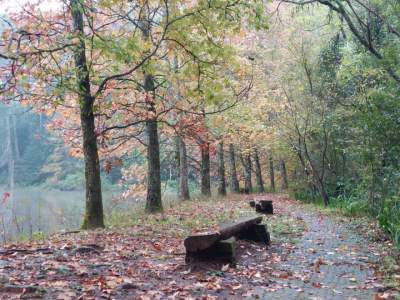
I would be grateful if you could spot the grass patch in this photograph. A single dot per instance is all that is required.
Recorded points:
(389, 270)
(286, 228)
(181, 218)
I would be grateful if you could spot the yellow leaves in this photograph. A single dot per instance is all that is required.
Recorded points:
(75, 40)
(75, 152)
(219, 121)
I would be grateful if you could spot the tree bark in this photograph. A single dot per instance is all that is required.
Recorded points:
(259, 179)
(153, 199)
(94, 205)
(306, 172)
(285, 183)
(183, 171)
(177, 141)
(16, 144)
(205, 169)
(325, 196)
(221, 170)
(246, 162)
(318, 177)
(232, 164)
(272, 173)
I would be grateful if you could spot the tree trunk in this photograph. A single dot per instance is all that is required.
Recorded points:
(205, 169)
(324, 194)
(16, 144)
(246, 162)
(249, 175)
(153, 199)
(311, 183)
(94, 204)
(183, 171)
(272, 173)
(285, 183)
(232, 164)
(221, 170)
(260, 183)
(318, 177)
(177, 141)
(320, 184)
(10, 156)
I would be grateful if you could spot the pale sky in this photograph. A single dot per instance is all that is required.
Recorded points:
(15, 5)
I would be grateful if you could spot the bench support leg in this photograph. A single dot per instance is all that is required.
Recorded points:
(256, 233)
(221, 250)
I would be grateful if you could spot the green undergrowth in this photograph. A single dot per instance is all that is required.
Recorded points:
(386, 212)
(389, 270)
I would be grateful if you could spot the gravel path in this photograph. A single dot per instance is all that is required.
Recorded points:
(331, 261)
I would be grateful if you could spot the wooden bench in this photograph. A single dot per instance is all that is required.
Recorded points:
(263, 206)
(221, 244)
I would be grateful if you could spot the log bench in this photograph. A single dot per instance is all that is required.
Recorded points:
(221, 244)
(263, 206)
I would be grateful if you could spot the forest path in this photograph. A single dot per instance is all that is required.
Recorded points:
(313, 255)
(330, 261)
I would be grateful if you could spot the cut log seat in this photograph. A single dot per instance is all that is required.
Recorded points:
(222, 250)
(256, 233)
(220, 244)
(199, 242)
(263, 206)
(233, 229)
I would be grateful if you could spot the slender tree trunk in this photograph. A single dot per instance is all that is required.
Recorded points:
(313, 188)
(246, 162)
(249, 173)
(183, 171)
(153, 199)
(16, 144)
(272, 173)
(285, 183)
(259, 179)
(221, 170)
(318, 177)
(94, 204)
(232, 166)
(320, 183)
(177, 141)
(205, 169)
(9, 153)
(324, 194)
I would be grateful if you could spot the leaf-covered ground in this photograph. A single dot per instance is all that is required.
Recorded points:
(313, 255)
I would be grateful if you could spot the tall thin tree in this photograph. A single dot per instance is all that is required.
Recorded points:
(153, 198)
(234, 182)
(246, 163)
(285, 183)
(259, 179)
(221, 170)
(94, 205)
(272, 173)
(183, 171)
(205, 169)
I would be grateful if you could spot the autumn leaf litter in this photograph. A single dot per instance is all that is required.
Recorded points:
(146, 260)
